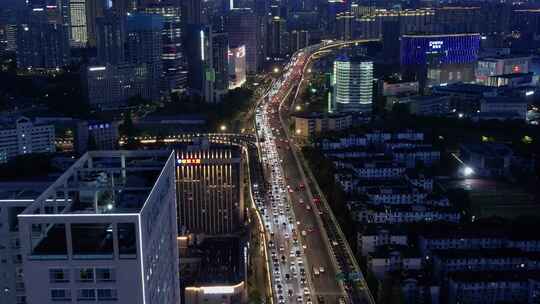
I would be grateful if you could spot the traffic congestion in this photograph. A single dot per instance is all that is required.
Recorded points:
(290, 281)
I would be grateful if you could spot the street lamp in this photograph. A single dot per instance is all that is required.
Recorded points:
(298, 131)
(298, 108)
(223, 128)
(468, 171)
(276, 70)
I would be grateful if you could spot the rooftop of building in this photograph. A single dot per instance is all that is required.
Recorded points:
(407, 208)
(174, 119)
(319, 115)
(405, 251)
(493, 276)
(105, 182)
(392, 229)
(504, 99)
(489, 228)
(395, 190)
(488, 149)
(219, 261)
(492, 253)
(10, 122)
(469, 88)
(514, 75)
(426, 97)
(441, 35)
(353, 58)
(504, 56)
(21, 191)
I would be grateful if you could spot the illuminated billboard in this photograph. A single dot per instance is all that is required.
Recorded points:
(439, 49)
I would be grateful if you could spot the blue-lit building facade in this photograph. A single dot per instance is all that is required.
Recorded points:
(422, 50)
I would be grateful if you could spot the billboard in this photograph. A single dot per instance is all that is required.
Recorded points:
(439, 49)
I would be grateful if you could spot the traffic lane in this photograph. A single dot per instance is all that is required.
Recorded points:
(316, 250)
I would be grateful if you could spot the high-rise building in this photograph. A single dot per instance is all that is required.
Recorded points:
(92, 235)
(237, 67)
(298, 40)
(370, 24)
(42, 40)
(277, 36)
(15, 197)
(94, 10)
(352, 83)
(174, 62)
(242, 25)
(220, 64)
(209, 185)
(201, 74)
(111, 38)
(344, 26)
(78, 26)
(144, 46)
(110, 86)
(193, 11)
(24, 137)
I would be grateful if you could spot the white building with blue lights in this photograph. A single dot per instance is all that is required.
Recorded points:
(92, 235)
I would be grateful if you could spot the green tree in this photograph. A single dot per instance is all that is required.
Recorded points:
(128, 129)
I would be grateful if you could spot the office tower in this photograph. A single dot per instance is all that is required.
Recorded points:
(237, 67)
(344, 26)
(22, 136)
(120, 7)
(94, 10)
(144, 46)
(458, 19)
(174, 62)
(277, 37)
(220, 64)
(42, 41)
(352, 83)
(193, 11)
(110, 86)
(298, 40)
(370, 24)
(144, 38)
(111, 38)
(93, 234)
(209, 185)
(242, 26)
(390, 40)
(78, 26)
(10, 35)
(201, 75)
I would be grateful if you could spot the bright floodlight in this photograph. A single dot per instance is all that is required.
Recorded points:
(468, 171)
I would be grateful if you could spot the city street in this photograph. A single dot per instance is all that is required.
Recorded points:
(332, 271)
